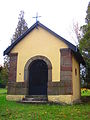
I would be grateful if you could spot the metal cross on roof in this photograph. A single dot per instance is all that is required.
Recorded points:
(36, 17)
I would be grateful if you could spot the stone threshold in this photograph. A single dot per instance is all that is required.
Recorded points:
(33, 102)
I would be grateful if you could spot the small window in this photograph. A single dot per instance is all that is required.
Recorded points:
(75, 71)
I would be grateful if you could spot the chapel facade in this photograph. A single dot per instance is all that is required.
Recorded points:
(43, 63)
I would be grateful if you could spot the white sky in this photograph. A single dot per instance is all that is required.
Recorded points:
(58, 15)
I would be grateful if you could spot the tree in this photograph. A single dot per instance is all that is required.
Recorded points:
(21, 27)
(88, 14)
(84, 44)
(6, 62)
(76, 30)
(3, 76)
(4, 72)
(0, 68)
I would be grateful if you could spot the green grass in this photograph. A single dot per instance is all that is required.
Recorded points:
(3, 91)
(17, 111)
(85, 92)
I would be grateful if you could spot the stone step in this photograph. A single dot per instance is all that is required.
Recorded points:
(35, 99)
(37, 102)
(36, 96)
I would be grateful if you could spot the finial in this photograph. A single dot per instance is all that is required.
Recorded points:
(36, 17)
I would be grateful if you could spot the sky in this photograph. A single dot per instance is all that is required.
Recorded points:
(58, 15)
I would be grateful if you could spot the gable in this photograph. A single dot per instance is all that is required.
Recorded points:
(30, 29)
(35, 27)
(39, 40)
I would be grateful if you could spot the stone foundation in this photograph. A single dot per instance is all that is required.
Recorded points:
(51, 98)
(60, 99)
(15, 97)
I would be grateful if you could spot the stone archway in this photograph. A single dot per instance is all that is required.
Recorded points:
(29, 62)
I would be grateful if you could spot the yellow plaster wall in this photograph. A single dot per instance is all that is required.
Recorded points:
(39, 42)
(75, 79)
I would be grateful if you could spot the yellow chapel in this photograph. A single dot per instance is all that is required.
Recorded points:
(44, 65)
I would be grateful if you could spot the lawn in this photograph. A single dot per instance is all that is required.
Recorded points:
(3, 91)
(18, 111)
(85, 92)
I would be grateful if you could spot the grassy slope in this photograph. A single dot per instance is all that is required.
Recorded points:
(17, 111)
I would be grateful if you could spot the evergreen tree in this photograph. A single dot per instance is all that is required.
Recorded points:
(3, 77)
(84, 44)
(88, 14)
(21, 27)
(4, 72)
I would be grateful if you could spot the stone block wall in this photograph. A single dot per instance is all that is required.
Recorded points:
(66, 69)
(15, 88)
(64, 87)
(13, 67)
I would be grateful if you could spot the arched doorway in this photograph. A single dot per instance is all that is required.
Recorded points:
(38, 77)
(30, 63)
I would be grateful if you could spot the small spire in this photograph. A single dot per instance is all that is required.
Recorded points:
(36, 17)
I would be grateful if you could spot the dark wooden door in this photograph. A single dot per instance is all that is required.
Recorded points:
(38, 78)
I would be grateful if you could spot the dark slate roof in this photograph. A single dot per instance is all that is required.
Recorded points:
(71, 46)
